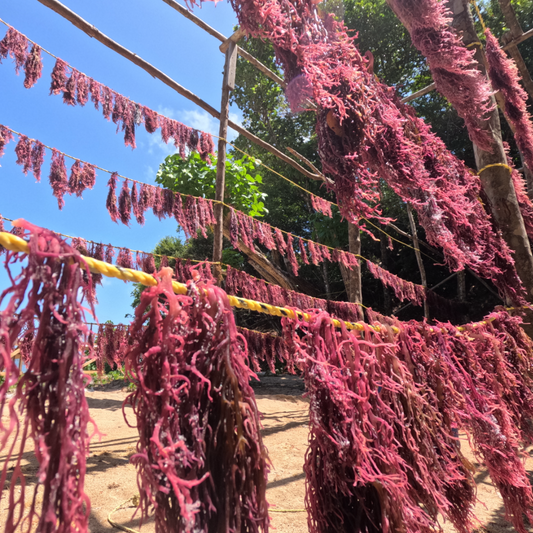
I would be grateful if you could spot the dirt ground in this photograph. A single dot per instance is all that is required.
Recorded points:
(111, 480)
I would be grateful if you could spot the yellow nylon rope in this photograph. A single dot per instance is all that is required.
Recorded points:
(479, 14)
(16, 244)
(496, 165)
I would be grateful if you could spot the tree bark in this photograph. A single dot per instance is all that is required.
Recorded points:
(387, 300)
(496, 181)
(461, 286)
(352, 277)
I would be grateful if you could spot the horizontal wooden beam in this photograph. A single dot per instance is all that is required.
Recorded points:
(92, 31)
(222, 38)
(431, 87)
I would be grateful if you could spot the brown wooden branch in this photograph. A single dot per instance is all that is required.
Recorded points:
(508, 46)
(419, 93)
(235, 38)
(90, 30)
(304, 160)
(217, 35)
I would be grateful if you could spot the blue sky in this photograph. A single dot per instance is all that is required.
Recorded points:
(159, 35)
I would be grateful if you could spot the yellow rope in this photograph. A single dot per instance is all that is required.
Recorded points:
(16, 244)
(118, 526)
(479, 14)
(510, 169)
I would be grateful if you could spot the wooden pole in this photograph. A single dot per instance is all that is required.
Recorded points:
(228, 84)
(416, 246)
(496, 181)
(90, 30)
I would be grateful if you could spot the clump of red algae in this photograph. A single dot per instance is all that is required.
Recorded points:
(200, 458)
(49, 405)
(365, 134)
(381, 457)
(504, 76)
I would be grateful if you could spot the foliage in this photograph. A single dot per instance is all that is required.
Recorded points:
(196, 177)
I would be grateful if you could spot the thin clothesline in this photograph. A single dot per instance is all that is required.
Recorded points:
(225, 140)
(190, 195)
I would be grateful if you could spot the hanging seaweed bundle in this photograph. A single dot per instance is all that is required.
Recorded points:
(268, 349)
(381, 456)
(482, 379)
(5, 137)
(16, 45)
(58, 177)
(404, 290)
(49, 406)
(365, 134)
(204, 470)
(321, 206)
(504, 77)
(452, 65)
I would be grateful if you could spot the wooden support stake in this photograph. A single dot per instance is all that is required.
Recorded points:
(228, 85)
(235, 38)
(416, 246)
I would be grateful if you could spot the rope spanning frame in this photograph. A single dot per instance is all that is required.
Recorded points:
(16, 244)
(503, 165)
(252, 158)
(214, 202)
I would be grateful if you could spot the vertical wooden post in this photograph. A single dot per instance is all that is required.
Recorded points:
(418, 256)
(496, 181)
(228, 85)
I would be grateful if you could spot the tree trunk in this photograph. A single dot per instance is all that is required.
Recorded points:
(270, 271)
(461, 286)
(387, 301)
(496, 181)
(352, 277)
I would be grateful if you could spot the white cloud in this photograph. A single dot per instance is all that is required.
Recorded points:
(198, 119)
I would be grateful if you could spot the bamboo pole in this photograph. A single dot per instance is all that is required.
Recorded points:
(228, 84)
(92, 31)
(217, 35)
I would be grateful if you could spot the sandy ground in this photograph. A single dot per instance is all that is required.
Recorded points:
(111, 480)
